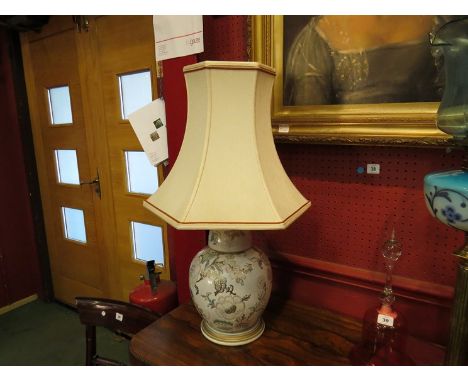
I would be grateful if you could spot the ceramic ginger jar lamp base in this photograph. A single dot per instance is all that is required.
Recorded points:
(230, 284)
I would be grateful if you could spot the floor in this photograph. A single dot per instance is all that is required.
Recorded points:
(51, 334)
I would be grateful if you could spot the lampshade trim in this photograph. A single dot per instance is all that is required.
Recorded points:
(232, 65)
(304, 206)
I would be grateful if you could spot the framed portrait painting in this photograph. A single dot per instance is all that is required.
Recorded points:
(353, 79)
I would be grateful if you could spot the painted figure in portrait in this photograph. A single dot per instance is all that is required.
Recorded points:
(360, 60)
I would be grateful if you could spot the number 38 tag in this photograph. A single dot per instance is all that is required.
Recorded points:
(383, 319)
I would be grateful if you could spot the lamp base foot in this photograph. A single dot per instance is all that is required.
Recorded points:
(233, 339)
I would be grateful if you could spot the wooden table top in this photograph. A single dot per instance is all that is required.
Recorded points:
(295, 335)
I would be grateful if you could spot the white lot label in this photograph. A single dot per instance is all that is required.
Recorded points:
(385, 320)
(283, 128)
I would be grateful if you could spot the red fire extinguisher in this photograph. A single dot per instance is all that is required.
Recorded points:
(154, 294)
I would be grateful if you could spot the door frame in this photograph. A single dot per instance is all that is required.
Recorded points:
(46, 292)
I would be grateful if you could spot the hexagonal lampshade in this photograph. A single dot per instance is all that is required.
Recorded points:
(228, 174)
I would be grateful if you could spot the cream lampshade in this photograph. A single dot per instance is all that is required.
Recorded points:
(228, 179)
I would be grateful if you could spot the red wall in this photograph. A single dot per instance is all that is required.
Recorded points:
(337, 263)
(19, 267)
(331, 256)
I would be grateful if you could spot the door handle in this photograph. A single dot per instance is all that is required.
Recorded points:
(97, 184)
(82, 23)
(94, 181)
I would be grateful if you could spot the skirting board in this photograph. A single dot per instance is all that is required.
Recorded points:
(17, 304)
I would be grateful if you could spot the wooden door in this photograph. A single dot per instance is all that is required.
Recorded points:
(78, 266)
(124, 48)
(75, 82)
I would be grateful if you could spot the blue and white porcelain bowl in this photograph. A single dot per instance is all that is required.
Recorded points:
(446, 195)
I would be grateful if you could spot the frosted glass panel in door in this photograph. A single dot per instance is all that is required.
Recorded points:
(147, 242)
(74, 224)
(67, 166)
(60, 105)
(142, 176)
(135, 92)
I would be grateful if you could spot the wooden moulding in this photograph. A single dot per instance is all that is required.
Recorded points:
(352, 291)
(416, 290)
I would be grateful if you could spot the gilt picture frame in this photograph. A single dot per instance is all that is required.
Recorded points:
(382, 124)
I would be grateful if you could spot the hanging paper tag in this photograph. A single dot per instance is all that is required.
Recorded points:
(383, 319)
(149, 124)
(177, 36)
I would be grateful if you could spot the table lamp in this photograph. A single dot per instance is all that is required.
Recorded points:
(228, 179)
(446, 193)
